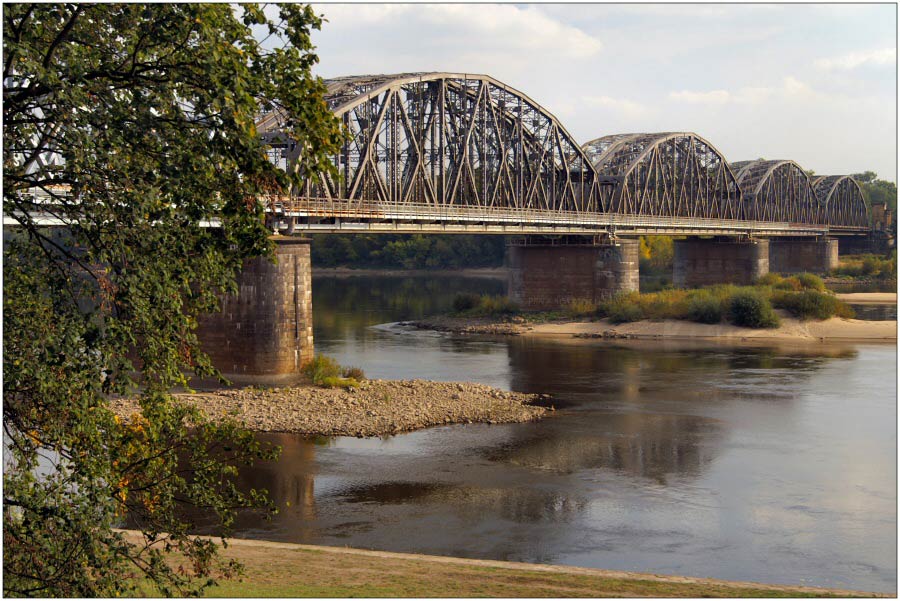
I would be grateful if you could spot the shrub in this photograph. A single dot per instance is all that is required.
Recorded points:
(810, 281)
(465, 301)
(704, 307)
(497, 305)
(770, 279)
(791, 283)
(811, 304)
(751, 309)
(623, 308)
(580, 307)
(354, 373)
(317, 369)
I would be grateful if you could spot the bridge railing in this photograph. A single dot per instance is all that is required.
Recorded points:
(372, 211)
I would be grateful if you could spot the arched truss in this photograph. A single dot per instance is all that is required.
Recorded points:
(777, 191)
(446, 139)
(667, 174)
(842, 200)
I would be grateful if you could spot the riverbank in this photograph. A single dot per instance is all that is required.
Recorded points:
(868, 298)
(791, 329)
(375, 408)
(275, 569)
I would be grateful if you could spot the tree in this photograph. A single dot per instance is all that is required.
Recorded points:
(132, 124)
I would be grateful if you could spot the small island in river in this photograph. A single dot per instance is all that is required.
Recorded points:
(374, 408)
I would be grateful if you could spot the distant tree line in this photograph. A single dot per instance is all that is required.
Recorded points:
(408, 251)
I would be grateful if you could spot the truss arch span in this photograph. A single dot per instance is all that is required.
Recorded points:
(676, 174)
(842, 201)
(777, 190)
(451, 140)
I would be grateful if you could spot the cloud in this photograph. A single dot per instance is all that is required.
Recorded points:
(712, 97)
(853, 60)
(626, 107)
(470, 26)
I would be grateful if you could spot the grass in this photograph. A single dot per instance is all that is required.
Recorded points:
(867, 266)
(304, 572)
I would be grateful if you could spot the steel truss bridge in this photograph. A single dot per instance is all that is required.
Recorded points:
(451, 152)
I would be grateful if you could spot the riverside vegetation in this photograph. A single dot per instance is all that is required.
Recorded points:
(803, 296)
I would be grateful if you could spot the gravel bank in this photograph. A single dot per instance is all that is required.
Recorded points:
(377, 407)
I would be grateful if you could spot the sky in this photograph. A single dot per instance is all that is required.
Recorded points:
(812, 83)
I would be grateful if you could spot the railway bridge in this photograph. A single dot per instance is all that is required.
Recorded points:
(461, 153)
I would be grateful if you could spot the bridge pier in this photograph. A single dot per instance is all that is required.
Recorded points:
(264, 332)
(787, 255)
(703, 262)
(544, 276)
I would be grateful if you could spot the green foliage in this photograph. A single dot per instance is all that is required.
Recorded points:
(811, 304)
(809, 281)
(751, 309)
(581, 308)
(320, 367)
(465, 301)
(770, 279)
(868, 266)
(656, 254)
(623, 308)
(149, 110)
(705, 307)
(326, 372)
(405, 251)
(486, 306)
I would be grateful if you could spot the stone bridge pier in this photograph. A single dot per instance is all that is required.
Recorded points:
(264, 332)
(704, 262)
(795, 255)
(547, 276)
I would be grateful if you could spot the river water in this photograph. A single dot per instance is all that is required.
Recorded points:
(769, 464)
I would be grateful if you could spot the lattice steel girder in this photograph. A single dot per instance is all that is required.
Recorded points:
(777, 190)
(667, 174)
(449, 139)
(842, 199)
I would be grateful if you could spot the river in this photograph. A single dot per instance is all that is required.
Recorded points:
(767, 464)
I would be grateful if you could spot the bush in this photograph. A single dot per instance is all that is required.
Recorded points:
(811, 304)
(770, 279)
(704, 307)
(751, 309)
(623, 308)
(581, 307)
(791, 283)
(465, 301)
(498, 305)
(810, 281)
(317, 369)
(354, 373)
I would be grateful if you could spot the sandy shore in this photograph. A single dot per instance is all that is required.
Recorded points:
(791, 330)
(376, 408)
(869, 298)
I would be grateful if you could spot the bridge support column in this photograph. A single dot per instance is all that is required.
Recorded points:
(264, 332)
(796, 255)
(703, 262)
(546, 277)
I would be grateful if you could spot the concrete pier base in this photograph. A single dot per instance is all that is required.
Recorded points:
(264, 333)
(545, 277)
(703, 262)
(788, 255)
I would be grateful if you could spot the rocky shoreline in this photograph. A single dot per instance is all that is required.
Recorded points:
(375, 408)
(506, 326)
